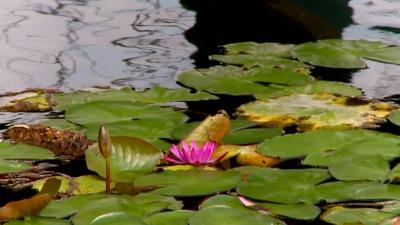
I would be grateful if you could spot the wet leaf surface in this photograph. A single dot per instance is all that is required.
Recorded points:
(129, 157)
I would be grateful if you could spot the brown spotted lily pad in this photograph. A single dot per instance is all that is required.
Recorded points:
(312, 112)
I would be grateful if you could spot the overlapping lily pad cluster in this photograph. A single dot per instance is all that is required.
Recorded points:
(219, 170)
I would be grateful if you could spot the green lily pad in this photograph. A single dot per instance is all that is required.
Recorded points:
(282, 186)
(23, 151)
(38, 221)
(385, 147)
(190, 182)
(395, 117)
(272, 49)
(101, 112)
(301, 144)
(154, 95)
(249, 61)
(326, 55)
(12, 156)
(370, 167)
(314, 87)
(312, 112)
(129, 157)
(352, 190)
(178, 217)
(123, 209)
(231, 216)
(295, 211)
(69, 206)
(12, 166)
(61, 124)
(147, 129)
(365, 216)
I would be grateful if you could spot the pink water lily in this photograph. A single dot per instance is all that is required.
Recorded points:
(193, 155)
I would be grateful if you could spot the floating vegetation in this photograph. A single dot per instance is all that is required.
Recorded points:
(159, 162)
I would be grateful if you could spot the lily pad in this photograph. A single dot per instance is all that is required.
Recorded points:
(296, 211)
(312, 112)
(13, 155)
(370, 167)
(352, 190)
(122, 209)
(107, 112)
(326, 55)
(301, 144)
(154, 95)
(395, 117)
(39, 221)
(314, 87)
(271, 49)
(190, 182)
(282, 186)
(249, 61)
(177, 217)
(367, 216)
(231, 216)
(129, 157)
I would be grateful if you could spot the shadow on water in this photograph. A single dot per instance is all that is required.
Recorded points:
(225, 21)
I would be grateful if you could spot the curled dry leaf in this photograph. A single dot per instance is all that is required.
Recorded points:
(246, 155)
(65, 143)
(30, 206)
(213, 128)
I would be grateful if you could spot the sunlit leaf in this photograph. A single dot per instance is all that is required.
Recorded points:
(311, 112)
(129, 156)
(191, 182)
(213, 128)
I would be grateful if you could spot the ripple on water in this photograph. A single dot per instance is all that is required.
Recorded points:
(71, 45)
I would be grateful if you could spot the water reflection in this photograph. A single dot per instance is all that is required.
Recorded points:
(71, 45)
(376, 20)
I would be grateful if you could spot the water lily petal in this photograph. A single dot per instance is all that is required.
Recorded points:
(175, 150)
(170, 159)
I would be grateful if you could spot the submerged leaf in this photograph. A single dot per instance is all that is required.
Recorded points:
(312, 112)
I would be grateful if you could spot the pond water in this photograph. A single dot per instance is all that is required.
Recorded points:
(75, 44)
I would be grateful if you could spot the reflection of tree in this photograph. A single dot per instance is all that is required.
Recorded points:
(285, 21)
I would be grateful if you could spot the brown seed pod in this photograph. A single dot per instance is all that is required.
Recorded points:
(67, 144)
